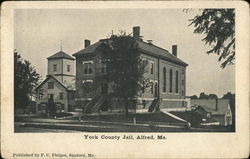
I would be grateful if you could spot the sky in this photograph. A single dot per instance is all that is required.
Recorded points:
(38, 34)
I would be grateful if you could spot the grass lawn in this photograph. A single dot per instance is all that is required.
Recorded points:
(146, 122)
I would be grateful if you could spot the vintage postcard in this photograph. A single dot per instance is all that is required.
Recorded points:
(132, 79)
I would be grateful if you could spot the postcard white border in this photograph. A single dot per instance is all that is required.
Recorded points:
(177, 145)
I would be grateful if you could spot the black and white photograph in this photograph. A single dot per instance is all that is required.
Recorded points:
(140, 70)
(129, 73)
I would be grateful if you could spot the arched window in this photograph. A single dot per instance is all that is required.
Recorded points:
(164, 79)
(152, 68)
(176, 82)
(170, 81)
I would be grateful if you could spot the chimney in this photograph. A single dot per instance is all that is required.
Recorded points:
(174, 50)
(86, 43)
(136, 32)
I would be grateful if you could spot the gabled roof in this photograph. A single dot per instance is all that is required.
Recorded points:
(61, 55)
(154, 50)
(51, 76)
(210, 105)
(146, 48)
(89, 49)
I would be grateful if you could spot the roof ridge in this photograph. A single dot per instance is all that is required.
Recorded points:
(60, 54)
(156, 46)
(47, 78)
(154, 51)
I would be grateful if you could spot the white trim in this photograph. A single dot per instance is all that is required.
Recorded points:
(91, 81)
(87, 62)
(154, 81)
(151, 61)
(145, 98)
(83, 98)
(213, 123)
(166, 99)
(183, 109)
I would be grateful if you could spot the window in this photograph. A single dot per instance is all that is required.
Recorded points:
(40, 96)
(90, 71)
(54, 68)
(85, 68)
(170, 80)
(103, 67)
(61, 95)
(145, 64)
(152, 68)
(152, 88)
(182, 81)
(68, 68)
(183, 93)
(50, 85)
(183, 71)
(88, 68)
(51, 97)
(164, 80)
(176, 82)
(39, 107)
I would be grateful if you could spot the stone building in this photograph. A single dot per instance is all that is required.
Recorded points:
(59, 86)
(166, 72)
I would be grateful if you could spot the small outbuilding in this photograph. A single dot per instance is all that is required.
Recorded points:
(57, 92)
(218, 109)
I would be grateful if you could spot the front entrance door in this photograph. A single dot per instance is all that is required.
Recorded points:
(51, 105)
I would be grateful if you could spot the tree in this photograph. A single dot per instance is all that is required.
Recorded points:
(218, 25)
(228, 95)
(203, 96)
(25, 80)
(125, 68)
(212, 96)
(194, 97)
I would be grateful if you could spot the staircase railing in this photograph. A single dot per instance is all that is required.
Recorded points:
(89, 105)
(98, 104)
(153, 105)
(95, 104)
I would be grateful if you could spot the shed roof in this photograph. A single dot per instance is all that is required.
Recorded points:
(61, 55)
(147, 48)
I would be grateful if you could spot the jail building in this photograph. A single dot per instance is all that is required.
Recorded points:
(59, 86)
(166, 73)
